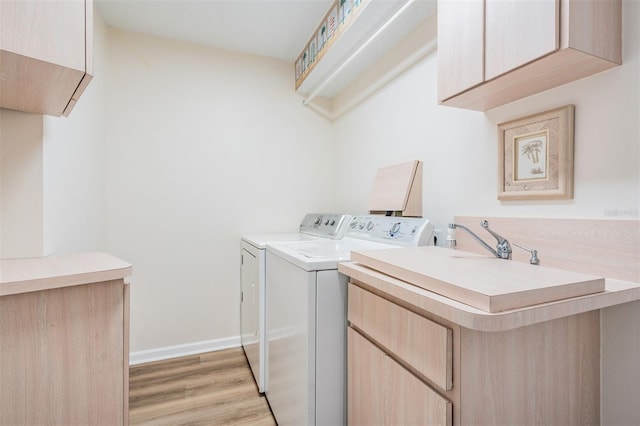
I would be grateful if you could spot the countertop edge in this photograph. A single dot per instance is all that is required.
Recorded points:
(616, 292)
(60, 270)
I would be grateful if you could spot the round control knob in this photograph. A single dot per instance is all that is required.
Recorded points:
(317, 222)
(369, 226)
(394, 229)
(361, 226)
(353, 224)
(326, 221)
(333, 222)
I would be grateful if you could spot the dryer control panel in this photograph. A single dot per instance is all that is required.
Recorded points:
(401, 231)
(328, 225)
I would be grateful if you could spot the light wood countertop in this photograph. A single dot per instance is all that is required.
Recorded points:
(482, 281)
(60, 270)
(616, 292)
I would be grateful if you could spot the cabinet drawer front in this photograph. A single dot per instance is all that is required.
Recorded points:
(421, 343)
(411, 402)
(365, 381)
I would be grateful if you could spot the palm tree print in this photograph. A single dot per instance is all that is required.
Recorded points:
(532, 150)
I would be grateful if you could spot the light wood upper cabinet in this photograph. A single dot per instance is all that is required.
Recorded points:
(460, 46)
(46, 57)
(518, 32)
(525, 47)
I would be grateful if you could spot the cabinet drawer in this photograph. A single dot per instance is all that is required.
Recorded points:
(411, 402)
(382, 392)
(421, 343)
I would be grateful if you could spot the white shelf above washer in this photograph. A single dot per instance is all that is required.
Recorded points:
(371, 31)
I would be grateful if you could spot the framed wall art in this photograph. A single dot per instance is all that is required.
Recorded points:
(535, 156)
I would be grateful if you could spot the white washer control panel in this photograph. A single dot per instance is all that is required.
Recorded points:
(405, 231)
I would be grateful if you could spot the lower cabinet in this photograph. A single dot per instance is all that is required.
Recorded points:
(64, 356)
(382, 392)
(407, 366)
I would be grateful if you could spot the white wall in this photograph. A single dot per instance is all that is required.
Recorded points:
(204, 145)
(20, 184)
(74, 166)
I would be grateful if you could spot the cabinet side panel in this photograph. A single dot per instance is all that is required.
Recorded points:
(62, 352)
(88, 39)
(596, 28)
(125, 352)
(547, 373)
(460, 46)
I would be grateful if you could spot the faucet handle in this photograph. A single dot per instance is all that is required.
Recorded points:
(503, 248)
(534, 254)
(500, 238)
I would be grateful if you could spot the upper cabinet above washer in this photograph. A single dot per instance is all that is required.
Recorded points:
(359, 38)
(46, 57)
(492, 52)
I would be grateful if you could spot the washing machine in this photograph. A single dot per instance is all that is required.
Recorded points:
(307, 311)
(253, 265)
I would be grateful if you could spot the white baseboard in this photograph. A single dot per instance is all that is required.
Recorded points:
(158, 354)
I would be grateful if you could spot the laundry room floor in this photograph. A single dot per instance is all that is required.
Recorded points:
(205, 389)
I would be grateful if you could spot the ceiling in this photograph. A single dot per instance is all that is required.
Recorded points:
(273, 28)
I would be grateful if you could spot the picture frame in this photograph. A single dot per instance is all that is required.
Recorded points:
(535, 156)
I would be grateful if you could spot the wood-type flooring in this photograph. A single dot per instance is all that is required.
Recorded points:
(215, 388)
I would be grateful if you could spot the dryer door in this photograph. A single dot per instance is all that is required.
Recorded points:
(250, 311)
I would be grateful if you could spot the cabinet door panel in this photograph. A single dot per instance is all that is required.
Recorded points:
(411, 402)
(365, 381)
(518, 32)
(460, 46)
(51, 31)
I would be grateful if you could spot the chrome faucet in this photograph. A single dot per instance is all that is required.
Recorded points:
(503, 248)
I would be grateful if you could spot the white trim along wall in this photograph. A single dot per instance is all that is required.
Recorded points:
(175, 351)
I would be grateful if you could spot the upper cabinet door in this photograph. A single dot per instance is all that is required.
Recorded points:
(460, 46)
(51, 31)
(518, 32)
(529, 46)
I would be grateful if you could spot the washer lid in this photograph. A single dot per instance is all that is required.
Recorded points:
(320, 255)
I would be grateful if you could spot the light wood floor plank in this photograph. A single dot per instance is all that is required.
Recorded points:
(215, 388)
